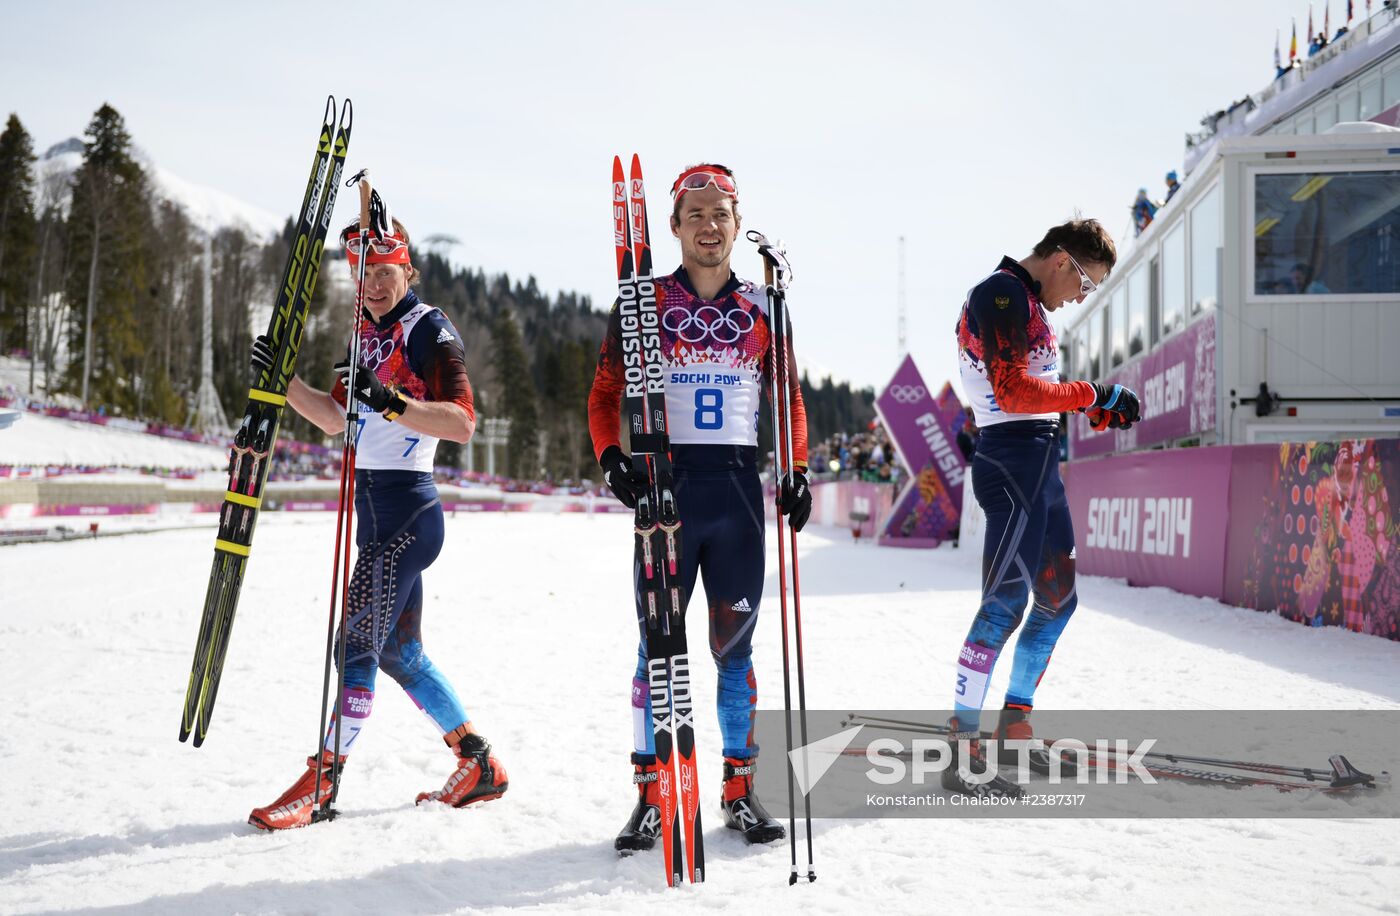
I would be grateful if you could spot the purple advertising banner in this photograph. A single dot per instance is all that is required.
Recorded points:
(1153, 518)
(921, 426)
(1176, 384)
(1316, 536)
(1305, 529)
(113, 509)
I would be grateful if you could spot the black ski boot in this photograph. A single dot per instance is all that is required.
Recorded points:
(1014, 729)
(644, 826)
(742, 810)
(975, 763)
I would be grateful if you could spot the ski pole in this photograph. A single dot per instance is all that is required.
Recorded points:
(776, 273)
(345, 518)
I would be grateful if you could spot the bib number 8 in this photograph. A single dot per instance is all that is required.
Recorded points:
(709, 408)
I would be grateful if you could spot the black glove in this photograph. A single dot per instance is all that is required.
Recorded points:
(1119, 401)
(262, 355)
(369, 390)
(627, 485)
(795, 500)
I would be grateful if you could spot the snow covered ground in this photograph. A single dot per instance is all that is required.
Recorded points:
(530, 615)
(37, 440)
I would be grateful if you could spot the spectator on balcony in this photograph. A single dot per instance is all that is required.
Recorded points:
(1143, 212)
(1172, 187)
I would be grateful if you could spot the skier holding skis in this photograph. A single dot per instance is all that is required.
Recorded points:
(1010, 374)
(715, 345)
(413, 390)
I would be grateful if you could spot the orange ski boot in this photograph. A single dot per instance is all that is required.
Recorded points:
(479, 776)
(295, 806)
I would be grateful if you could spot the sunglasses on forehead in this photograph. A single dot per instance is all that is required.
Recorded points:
(698, 179)
(386, 245)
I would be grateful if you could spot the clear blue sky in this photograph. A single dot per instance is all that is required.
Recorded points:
(968, 128)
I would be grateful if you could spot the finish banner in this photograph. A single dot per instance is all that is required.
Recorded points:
(923, 428)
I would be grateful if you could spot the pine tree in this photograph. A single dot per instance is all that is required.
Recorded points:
(18, 234)
(517, 396)
(110, 227)
(238, 283)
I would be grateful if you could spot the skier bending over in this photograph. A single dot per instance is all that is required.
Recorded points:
(1010, 374)
(716, 351)
(413, 390)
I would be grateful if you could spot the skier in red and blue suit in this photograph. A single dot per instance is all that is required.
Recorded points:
(1010, 374)
(413, 390)
(716, 346)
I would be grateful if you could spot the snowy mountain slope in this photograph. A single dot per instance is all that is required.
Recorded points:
(207, 208)
(530, 615)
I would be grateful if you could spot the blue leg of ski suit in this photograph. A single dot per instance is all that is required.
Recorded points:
(1029, 549)
(399, 534)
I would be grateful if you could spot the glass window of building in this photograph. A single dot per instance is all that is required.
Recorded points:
(1174, 280)
(1093, 364)
(1327, 232)
(1391, 90)
(1303, 125)
(1118, 327)
(1347, 107)
(1205, 252)
(1139, 284)
(1370, 100)
(1326, 116)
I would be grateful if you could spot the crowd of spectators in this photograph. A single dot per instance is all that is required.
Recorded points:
(867, 455)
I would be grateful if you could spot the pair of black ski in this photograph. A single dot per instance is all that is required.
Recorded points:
(657, 527)
(257, 434)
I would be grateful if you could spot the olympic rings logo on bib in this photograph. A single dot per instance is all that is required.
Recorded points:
(707, 322)
(908, 394)
(376, 353)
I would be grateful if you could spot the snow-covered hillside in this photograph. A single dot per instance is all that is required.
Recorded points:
(531, 616)
(206, 207)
